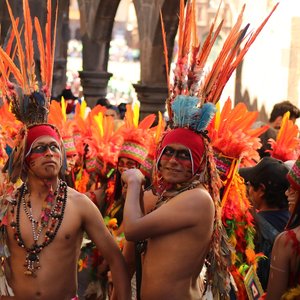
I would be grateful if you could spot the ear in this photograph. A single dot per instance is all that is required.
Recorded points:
(262, 189)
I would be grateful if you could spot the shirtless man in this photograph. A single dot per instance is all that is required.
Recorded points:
(179, 229)
(45, 225)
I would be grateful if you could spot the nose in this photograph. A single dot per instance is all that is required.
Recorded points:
(122, 169)
(48, 151)
(173, 158)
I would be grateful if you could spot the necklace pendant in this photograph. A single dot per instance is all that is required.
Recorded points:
(32, 264)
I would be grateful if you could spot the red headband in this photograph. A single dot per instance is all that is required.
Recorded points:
(189, 139)
(38, 131)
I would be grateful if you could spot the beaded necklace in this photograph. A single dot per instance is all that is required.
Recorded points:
(51, 219)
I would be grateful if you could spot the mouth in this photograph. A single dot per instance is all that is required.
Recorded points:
(50, 163)
(172, 170)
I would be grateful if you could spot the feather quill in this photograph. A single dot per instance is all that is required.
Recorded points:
(165, 50)
(20, 50)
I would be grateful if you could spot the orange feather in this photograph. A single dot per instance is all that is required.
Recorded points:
(21, 56)
(40, 43)
(28, 42)
(165, 50)
(13, 68)
(147, 122)
(180, 28)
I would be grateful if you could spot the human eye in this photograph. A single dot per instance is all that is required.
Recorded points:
(168, 151)
(39, 149)
(131, 165)
(54, 148)
(184, 155)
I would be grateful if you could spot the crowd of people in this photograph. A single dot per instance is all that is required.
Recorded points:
(98, 204)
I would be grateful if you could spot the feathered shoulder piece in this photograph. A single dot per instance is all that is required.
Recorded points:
(193, 93)
(29, 98)
(231, 132)
(287, 144)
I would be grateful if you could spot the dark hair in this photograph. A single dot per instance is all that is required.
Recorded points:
(103, 102)
(281, 108)
(122, 109)
(67, 94)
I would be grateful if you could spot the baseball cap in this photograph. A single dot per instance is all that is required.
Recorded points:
(269, 171)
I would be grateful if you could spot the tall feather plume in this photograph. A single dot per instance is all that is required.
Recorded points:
(41, 47)
(20, 51)
(230, 57)
(28, 44)
(29, 103)
(180, 28)
(9, 45)
(165, 50)
(48, 51)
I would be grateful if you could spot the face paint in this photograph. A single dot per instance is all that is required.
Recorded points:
(175, 164)
(182, 156)
(42, 149)
(126, 163)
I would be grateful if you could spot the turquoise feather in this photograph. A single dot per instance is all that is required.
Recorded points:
(188, 114)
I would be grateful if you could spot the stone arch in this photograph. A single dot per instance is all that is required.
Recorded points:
(152, 88)
(97, 20)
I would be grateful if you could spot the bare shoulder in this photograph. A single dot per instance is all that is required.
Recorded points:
(78, 198)
(196, 198)
(149, 201)
(284, 241)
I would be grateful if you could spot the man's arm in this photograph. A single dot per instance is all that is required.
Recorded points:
(100, 235)
(187, 209)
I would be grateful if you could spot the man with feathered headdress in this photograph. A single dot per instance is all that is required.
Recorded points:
(42, 221)
(178, 225)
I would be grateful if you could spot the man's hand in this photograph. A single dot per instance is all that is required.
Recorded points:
(133, 176)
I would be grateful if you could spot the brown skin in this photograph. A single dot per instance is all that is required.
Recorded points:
(57, 277)
(178, 234)
(284, 261)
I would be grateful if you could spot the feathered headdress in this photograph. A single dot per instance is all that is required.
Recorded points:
(156, 132)
(137, 135)
(191, 107)
(192, 88)
(29, 98)
(58, 117)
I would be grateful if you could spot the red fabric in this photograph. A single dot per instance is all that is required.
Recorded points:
(38, 131)
(189, 139)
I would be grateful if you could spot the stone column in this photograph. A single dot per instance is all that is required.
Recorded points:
(59, 76)
(152, 98)
(94, 85)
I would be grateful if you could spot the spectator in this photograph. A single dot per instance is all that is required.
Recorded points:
(103, 102)
(267, 184)
(276, 116)
(70, 100)
(122, 110)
